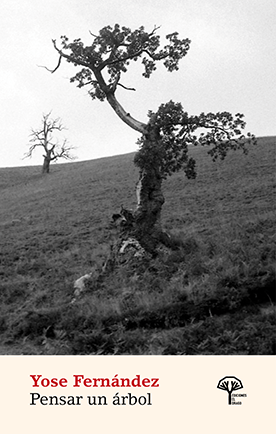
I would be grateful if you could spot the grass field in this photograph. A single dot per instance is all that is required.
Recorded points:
(215, 295)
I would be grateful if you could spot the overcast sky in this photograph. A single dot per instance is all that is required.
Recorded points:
(230, 67)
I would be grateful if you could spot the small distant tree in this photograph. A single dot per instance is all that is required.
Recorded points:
(230, 384)
(44, 137)
(165, 139)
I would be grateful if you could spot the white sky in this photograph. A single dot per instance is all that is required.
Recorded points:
(230, 66)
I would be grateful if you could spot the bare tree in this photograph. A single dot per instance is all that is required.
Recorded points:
(44, 137)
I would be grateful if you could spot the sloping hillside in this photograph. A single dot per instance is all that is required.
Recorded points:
(214, 295)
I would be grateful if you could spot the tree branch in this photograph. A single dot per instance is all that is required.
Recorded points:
(92, 34)
(127, 88)
(68, 57)
(131, 56)
(52, 70)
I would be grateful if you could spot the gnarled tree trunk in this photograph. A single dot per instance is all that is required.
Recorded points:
(147, 217)
(150, 200)
(145, 225)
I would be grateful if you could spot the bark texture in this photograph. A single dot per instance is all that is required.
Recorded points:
(46, 165)
(147, 217)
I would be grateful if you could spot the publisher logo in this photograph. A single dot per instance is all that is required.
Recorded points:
(230, 385)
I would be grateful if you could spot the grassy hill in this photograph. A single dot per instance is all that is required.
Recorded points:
(215, 295)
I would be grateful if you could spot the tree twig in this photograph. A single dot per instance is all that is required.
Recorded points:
(52, 70)
(127, 88)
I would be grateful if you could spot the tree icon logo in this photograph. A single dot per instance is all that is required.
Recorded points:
(229, 384)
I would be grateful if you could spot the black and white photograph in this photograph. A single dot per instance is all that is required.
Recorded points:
(137, 185)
